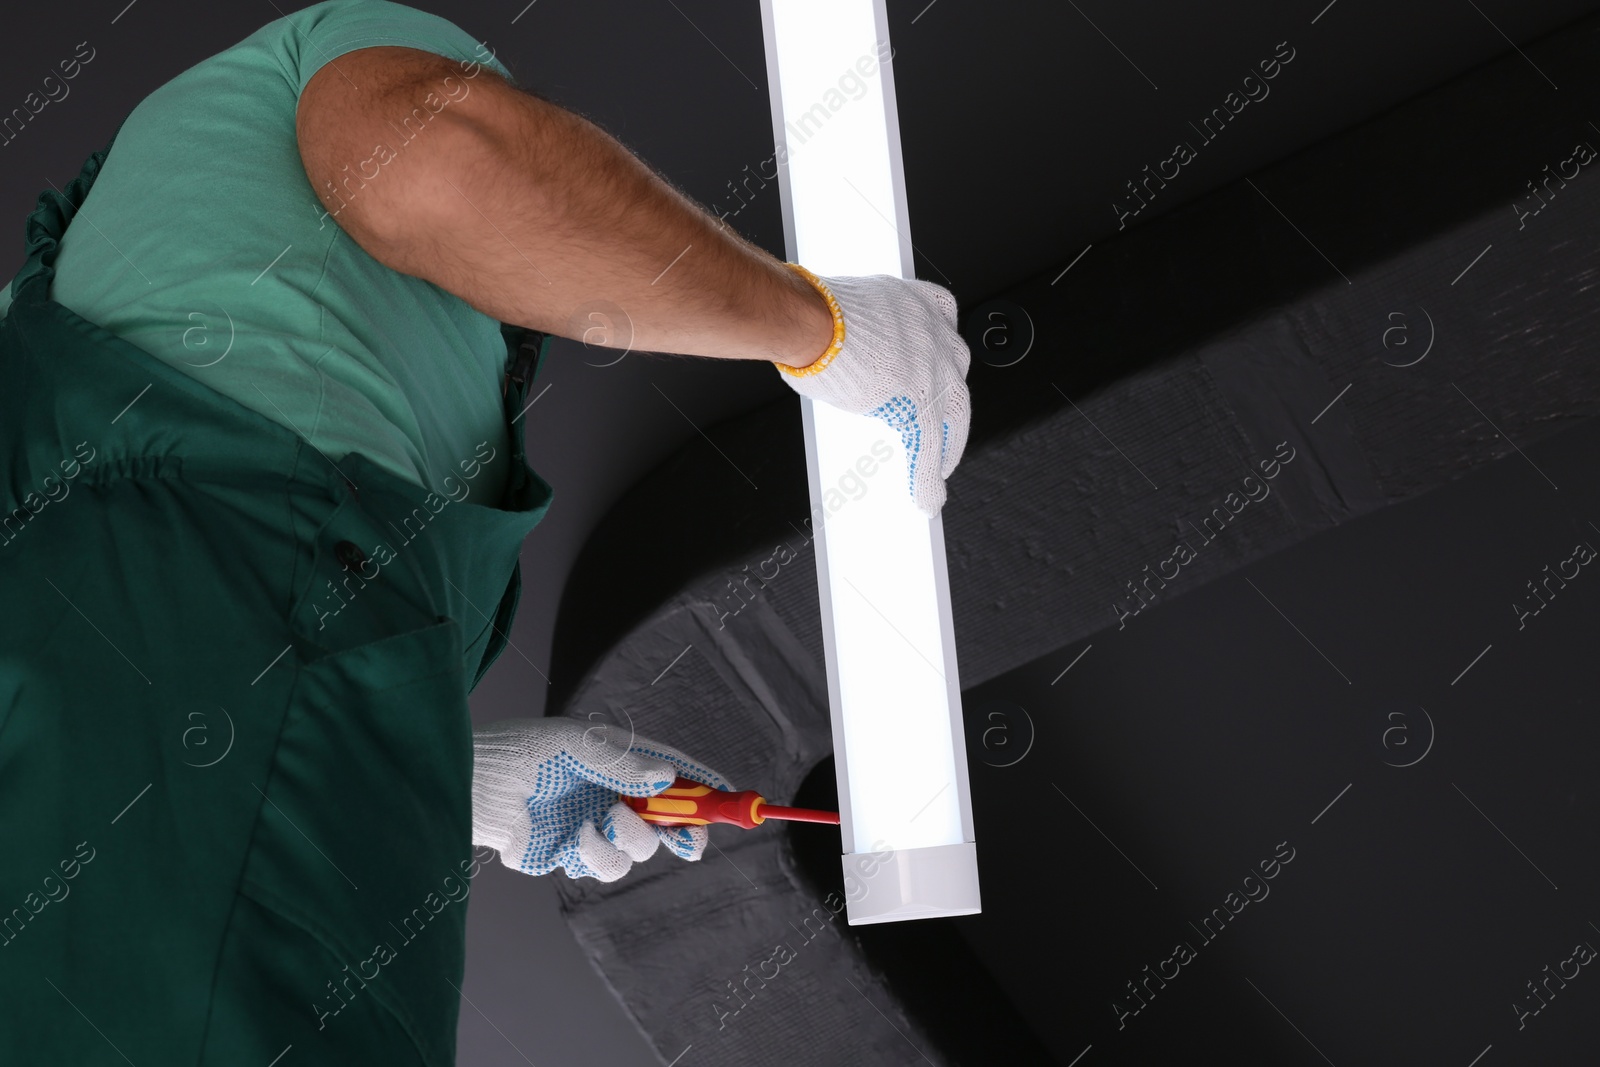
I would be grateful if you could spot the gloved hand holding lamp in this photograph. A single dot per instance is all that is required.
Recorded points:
(897, 356)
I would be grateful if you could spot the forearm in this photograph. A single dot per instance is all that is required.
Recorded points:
(534, 215)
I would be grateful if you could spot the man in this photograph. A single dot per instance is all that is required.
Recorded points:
(264, 493)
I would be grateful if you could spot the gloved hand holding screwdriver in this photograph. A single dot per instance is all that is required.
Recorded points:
(553, 793)
(547, 793)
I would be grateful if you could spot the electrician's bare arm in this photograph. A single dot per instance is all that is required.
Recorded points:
(531, 213)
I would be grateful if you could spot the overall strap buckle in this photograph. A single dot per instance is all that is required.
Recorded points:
(520, 368)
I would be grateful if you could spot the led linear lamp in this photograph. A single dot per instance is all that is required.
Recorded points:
(899, 749)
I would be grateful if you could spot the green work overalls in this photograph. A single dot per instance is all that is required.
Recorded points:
(235, 748)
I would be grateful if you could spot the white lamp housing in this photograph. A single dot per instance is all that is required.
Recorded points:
(899, 749)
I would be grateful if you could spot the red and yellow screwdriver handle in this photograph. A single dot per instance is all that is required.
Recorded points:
(689, 803)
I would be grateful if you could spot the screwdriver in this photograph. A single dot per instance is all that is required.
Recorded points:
(689, 803)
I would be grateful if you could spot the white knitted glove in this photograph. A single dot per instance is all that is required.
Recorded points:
(900, 360)
(545, 794)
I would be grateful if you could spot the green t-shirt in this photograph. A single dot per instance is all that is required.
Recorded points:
(204, 244)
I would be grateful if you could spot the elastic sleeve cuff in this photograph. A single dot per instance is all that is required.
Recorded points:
(823, 360)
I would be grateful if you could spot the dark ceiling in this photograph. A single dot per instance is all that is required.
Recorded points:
(1022, 122)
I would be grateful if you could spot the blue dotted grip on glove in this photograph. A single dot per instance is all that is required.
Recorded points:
(568, 793)
(901, 414)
